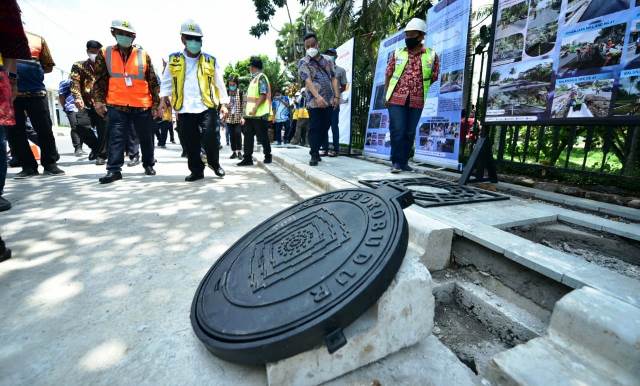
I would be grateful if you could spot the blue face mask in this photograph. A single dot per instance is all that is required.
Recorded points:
(124, 41)
(254, 74)
(233, 88)
(193, 46)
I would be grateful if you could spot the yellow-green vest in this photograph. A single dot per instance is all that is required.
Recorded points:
(253, 94)
(206, 79)
(402, 58)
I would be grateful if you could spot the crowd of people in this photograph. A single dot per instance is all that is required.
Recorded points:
(118, 105)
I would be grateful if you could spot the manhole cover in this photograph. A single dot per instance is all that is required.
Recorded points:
(429, 192)
(301, 276)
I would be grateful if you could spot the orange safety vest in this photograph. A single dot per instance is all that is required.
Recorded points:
(133, 92)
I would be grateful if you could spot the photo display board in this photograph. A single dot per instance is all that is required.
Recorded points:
(345, 60)
(377, 142)
(565, 61)
(438, 131)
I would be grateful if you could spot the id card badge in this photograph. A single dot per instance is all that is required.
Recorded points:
(127, 81)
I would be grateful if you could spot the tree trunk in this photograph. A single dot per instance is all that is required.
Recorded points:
(632, 162)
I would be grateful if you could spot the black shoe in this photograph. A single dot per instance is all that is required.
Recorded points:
(245, 162)
(14, 163)
(268, 159)
(110, 177)
(26, 173)
(234, 155)
(194, 177)
(173, 142)
(313, 162)
(134, 161)
(100, 161)
(183, 155)
(92, 155)
(6, 255)
(4, 204)
(217, 170)
(52, 170)
(78, 153)
(149, 171)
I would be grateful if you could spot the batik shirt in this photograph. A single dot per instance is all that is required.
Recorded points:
(321, 71)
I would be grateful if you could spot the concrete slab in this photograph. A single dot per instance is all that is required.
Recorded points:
(592, 339)
(431, 238)
(402, 317)
(100, 286)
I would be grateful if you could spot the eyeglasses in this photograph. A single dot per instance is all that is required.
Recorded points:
(195, 38)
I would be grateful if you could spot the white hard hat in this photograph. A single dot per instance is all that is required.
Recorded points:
(123, 25)
(190, 27)
(416, 25)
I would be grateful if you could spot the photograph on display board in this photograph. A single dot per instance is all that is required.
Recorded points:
(520, 89)
(542, 27)
(380, 98)
(582, 99)
(578, 11)
(439, 136)
(508, 49)
(451, 81)
(591, 50)
(513, 19)
(632, 50)
(627, 100)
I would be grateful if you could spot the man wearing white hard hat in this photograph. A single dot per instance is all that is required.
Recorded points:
(410, 72)
(126, 92)
(193, 85)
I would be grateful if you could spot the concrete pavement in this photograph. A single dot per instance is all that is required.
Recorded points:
(100, 286)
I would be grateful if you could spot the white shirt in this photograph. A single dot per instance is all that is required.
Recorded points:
(192, 101)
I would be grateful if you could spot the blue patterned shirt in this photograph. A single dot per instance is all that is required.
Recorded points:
(321, 71)
(64, 90)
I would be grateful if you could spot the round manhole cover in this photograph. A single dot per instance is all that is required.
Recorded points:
(302, 275)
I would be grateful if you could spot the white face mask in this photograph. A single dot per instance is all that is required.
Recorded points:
(312, 52)
(92, 57)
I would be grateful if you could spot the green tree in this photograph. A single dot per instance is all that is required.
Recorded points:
(278, 78)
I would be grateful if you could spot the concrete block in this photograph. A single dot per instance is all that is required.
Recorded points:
(431, 238)
(602, 330)
(402, 317)
(593, 339)
(540, 363)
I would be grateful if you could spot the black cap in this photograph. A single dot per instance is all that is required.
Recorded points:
(309, 35)
(94, 44)
(256, 62)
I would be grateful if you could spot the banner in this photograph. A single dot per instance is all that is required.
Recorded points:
(565, 61)
(377, 141)
(345, 60)
(438, 131)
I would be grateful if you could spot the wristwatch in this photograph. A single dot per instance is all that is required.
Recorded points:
(13, 76)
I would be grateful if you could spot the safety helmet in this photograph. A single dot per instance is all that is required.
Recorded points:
(123, 25)
(416, 25)
(191, 28)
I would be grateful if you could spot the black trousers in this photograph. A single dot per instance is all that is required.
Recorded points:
(75, 138)
(121, 123)
(83, 123)
(319, 123)
(235, 132)
(162, 130)
(259, 128)
(37, 109)
(199, 131)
